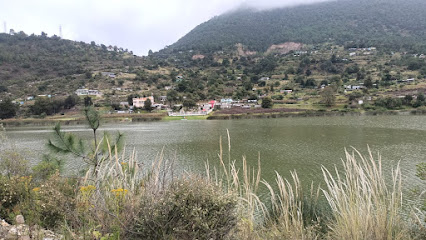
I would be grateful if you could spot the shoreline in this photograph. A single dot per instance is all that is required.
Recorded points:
(81, 120)
(129, 118)
(314, 114)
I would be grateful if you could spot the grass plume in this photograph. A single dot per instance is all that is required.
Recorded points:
(364, 204)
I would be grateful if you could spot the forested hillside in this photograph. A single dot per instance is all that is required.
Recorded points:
(390, 24)
(48, 65)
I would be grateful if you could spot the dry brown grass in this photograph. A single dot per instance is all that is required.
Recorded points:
(365, 205)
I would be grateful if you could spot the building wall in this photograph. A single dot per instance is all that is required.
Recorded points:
(139, 102)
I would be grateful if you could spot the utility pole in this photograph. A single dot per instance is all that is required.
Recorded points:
(5, 27)
(60, 31)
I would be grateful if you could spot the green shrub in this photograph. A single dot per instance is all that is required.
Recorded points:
(267, 102)
(389, 103)
(54, 201)
(189, 209)
(277, 97)
(14, 191)
(47, 205)
(48, 166)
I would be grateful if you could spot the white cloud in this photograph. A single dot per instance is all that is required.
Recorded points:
(138, 25)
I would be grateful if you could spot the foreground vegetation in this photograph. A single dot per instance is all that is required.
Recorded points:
(117, 197)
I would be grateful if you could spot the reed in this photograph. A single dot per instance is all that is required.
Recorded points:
(365, 205)
(288, 218)
(285, 219)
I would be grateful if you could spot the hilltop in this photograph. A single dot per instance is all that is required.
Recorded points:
(36, 65)
(388, 24)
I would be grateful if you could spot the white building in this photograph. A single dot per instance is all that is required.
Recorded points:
(82, 92)
(85, 92)
(108, 74)
(226, 100)
(140, 102)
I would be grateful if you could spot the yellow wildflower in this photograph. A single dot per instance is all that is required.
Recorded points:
(119, 192)
(86, 192)
(88, 188)
(37, 189)
(26, 178)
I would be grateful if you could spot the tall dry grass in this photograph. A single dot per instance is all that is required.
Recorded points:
(289, 216)
(120, 182)
(365, 204)
(284, 219)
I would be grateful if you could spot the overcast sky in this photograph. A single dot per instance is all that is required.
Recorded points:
(138, 25)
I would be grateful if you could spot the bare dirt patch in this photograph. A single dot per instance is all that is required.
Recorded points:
(285, 48)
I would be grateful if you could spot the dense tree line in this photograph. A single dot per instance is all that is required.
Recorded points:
(49, 106)
(397, 103)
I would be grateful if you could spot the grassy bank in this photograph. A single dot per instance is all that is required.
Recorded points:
(80, 119)
(218, 115)
(279, 115)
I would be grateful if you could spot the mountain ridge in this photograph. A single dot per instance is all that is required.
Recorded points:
(394, 24)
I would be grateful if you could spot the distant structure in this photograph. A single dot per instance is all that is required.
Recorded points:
(5, 27)
(108, 74)
(60, 31)
(140, 102)
(85, 92)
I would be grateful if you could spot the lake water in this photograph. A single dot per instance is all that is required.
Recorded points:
(284, 144)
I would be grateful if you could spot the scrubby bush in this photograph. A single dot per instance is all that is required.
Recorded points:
(52, 203)
(267, 102)
(277, 97)
(13, 191)
(48, 166)
(389, 103)
(189, 209)
(47, 204)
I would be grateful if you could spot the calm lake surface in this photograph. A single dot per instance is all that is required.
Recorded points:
(284, 144)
